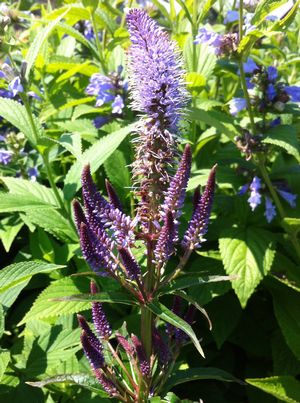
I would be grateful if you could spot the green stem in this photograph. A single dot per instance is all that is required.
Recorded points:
(98, 44)
(246, 94)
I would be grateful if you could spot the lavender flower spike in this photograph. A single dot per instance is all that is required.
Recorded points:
(113, 197)
(131, 265)
(164, 246)
(99, 319)
(107, 384)
(199, 222)
(175, 195)
(93, 354)
(140, 352)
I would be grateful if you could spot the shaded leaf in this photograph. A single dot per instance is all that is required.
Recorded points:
(285, 388)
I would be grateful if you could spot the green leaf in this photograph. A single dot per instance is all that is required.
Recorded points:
(2, 321)
(86, 381)
(206, 60)
(195, 374)
(112, 297)
(96, 155)
(16, 273)
(16, 114)
(168, 316)
(39, 41)
(264, 8)
(223, 123)
(47, 304)
(53, 222)
(205, 9)
(285, 137)
(120, 178)
(4, 360)
(292, 224)
(9, 229)
(14, 202)
(285, 388)
(247, 253)
(286, 301)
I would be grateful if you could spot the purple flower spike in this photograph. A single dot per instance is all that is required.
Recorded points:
(199, 222)
(161, 348)
(113, 197)
(78, 214)
(196, 197)
(140, 352)
(175, 195)
(270, 211)
(107, 384)
(131, 265)
(128, 347)
(96, 251)
(156, 76)
(105, 213)
(164, 247)
(99, 319)
(93, 354)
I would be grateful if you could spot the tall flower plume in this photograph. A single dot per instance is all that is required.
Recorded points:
(157, 89)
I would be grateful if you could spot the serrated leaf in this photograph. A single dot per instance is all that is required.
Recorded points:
(53, 222)
(16, 114)
(47, 304)
(286, 301)
(195, 374)
(4, 360)
(38, 42)
(9, 229)
(15, 203)
(17, 273)
(285, 137)
(247, 253)
(96, 155)
(285, 388)
(168, 316)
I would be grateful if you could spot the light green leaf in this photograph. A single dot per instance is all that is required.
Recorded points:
(247, 253)
(96, 155)
(205, 9)
(206, 60)
(264, 8)
(285, 137)
(118, 172)
(47, 304)
(2, 321)
(195, 374)
(11, 202)
(16, 114)
(292, 224)
(4, 360)
(168, 316)
(286, 301)
(16, 273)
(112, 297)
(285, 388)
(69, 30)
(9, 229)
(39, 41)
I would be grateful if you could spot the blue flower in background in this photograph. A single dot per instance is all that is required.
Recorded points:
(270, 211)
(294, 92)
(208, 37)
(236, 105)
(231, 16)
(100, 121)
(275, 122)
(5, 156)
(281, 11)
(118, 105)
(290, 198)
(272, 73)
(6, 93)
(271, 92)
(250, 66)
(15, 86)
(255, 197)
(32, 173)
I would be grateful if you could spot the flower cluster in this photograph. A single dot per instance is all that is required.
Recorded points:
(257, 190)
(109, 90)
(221, 45)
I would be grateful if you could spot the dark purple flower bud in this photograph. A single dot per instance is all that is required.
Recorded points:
(99, 319)
(78, 214)
(96, 252)
(196, 197)
(164, 246)
(93, 353)
(107, 384)
(141, 355)
(128, 347)
(131, 265)
(113, 197)
(175, 195)
(199, 222)
(160, 347)
(98, 209)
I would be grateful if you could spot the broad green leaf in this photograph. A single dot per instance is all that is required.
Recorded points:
(285, 137)
(285, 388)
(223, 123)
(120, 178)
(53, 222)
(9, 229)
(286, 301)
(16, 114)
(72, 143)
(4, 360)
(86, 381)
(205, 59)
(8, 297)
(112, 297)
(191, 280)
(168, 316)
(292, 223)
(284, 22)
(16, 273)
(38, 42)
(47, 304)
(247, 253)
(264, 8)
(195, 374)
(24, 187)
(96, 155)
(15, 202)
